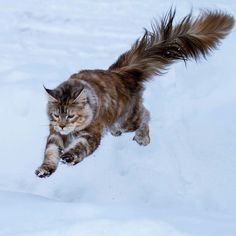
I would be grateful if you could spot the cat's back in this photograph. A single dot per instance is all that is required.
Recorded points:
(112, 93)
(103, 82)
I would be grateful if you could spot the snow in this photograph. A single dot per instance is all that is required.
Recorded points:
(183, 183)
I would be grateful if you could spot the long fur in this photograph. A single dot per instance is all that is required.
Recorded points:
(92, 101)
(157, 49)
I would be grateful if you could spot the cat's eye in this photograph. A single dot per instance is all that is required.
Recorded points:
(56, 116)
(70, 116)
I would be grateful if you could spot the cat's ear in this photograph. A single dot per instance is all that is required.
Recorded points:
(51, 95)
(81, 97)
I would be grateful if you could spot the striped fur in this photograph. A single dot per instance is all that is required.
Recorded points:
(91, 101)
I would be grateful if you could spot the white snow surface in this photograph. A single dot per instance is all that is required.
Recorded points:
(183, 183)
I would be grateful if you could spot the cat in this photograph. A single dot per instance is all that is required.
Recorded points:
(91, 101)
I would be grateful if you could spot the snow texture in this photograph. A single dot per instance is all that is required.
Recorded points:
(183, 183)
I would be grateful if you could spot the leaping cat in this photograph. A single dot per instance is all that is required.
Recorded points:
(90, 101)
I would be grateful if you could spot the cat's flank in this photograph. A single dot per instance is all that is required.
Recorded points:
(90, 101)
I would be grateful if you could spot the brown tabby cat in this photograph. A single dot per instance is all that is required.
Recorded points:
(93, 100)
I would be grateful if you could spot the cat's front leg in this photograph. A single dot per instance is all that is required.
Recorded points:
(52, 153)
(82, 145)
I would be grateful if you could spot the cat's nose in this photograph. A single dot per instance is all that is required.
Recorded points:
(62, 126)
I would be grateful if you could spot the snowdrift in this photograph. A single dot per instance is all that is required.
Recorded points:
(183, 183)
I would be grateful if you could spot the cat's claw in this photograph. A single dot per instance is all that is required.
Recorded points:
(68, 163)
(142, 140)
(116, 133)
(41, 172)
(69, 159)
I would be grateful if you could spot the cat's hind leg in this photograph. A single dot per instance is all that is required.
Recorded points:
(136, 120)
(142, 132)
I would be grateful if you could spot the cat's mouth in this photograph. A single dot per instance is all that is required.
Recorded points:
(64, 131)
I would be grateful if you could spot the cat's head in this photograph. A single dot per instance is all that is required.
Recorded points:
(69, 108)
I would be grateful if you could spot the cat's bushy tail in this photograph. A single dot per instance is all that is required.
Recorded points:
(157, 49)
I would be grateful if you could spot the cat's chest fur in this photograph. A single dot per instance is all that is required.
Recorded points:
(68, 140)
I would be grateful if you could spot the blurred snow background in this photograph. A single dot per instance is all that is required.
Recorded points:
(183, 183)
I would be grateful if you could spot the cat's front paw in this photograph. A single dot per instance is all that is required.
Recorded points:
(44, 171)
(70, 158)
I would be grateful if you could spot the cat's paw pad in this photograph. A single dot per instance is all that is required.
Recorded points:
(69, 158)
(142, 140)
(44, 171)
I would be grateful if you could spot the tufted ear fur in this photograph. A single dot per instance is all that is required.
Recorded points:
(82, 97)
(51, 95)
